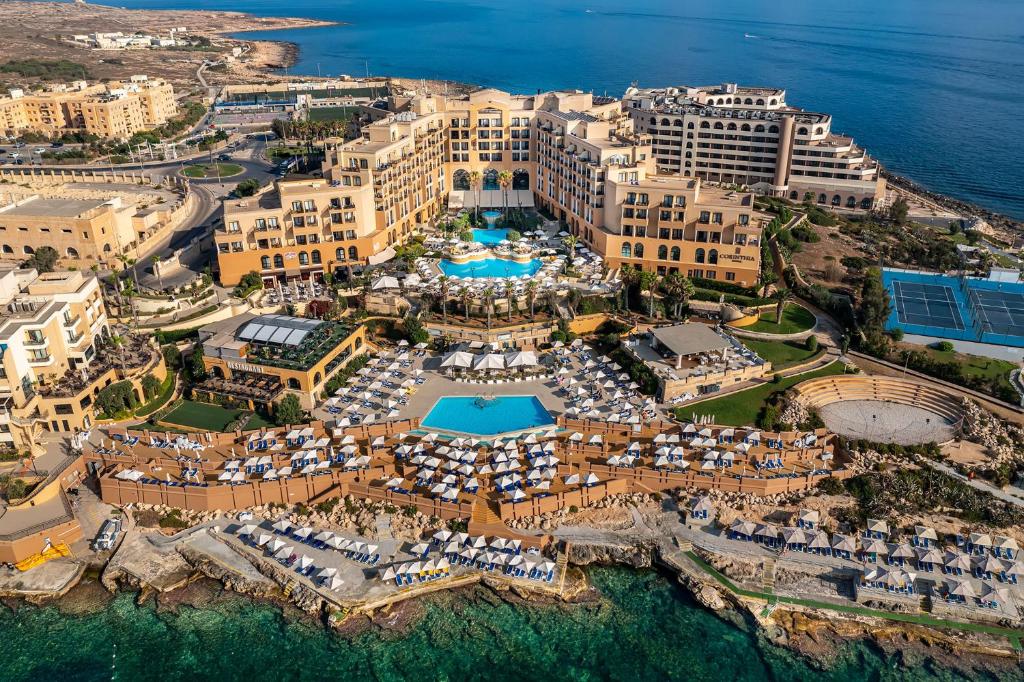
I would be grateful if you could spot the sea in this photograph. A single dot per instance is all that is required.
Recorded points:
(643, 628)
(932, 88)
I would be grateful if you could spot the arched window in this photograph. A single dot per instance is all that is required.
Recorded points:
(748, 101)
(698, 256)
(293, 382)
(746, 127)
(759, 128)
(851, 202)
(638, 250)
(818, 131)
(665, 122)
(761, 102)
(678, 123)
(521, 179)
(773, 102)
(626, 250)
(731, 126)
(713, 256)
(705, 124)
(865, 203)
(675, 253)
(317, 378)
(654, 121)
(72, 252)
(794, 195)
(8, 249)
(689, 145)
(460, 180)
(28, 249)
(358, 343)
(491, 179)
(773, 129)
(822, 199)
(339, 253)
(719, 126)
(106, 248)
(265, 262)
(353, 253)
(801, 131)
(316, 257)
(689, 125)
(278, 261)
(303, 258)
(837, 200)
(662, 252)
(689, 155)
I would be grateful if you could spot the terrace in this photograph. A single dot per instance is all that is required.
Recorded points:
(135, 354)
(300, 350)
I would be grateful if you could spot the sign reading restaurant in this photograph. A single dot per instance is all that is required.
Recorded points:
(243, 367)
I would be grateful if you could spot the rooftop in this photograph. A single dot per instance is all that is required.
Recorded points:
(62, 208)
(690, 339)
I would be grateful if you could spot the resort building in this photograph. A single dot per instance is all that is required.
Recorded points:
(253, 360)
(298, 95)
(114, 110)
(750, 136)
(55, 354)
(693, 359)
(571, 153)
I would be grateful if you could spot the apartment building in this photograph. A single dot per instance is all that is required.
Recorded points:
(571, 153)
(749, 136)
(115, 110)
(54, 357)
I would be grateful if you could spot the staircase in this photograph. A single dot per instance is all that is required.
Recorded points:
(768, 576)
(288, 588)
(926, 603)
(561, 564)
(484, 514)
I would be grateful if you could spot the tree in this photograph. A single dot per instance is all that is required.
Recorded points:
(570, 242)
(443, 287)
(150, 386)
(899, 211)
(782, 297)
(248, 283)
(44, 259)
(531, 296)
(155, 260)
(196, 367)
(648, 282)
(465, 297)
(510, 296)
(505, 181)
(812, 343)
(489, 304)
(474, 184)
(246, 188)
(514, 236)
(629, 276)
(288, 410)
(118, 342)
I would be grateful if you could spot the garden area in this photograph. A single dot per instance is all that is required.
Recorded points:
(795, 318)
(215, 170)
(743, 407)
(207, 417)
(783, 354)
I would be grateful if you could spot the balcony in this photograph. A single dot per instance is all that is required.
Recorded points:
(36, 342)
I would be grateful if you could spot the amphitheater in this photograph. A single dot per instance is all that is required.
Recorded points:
(883, 409)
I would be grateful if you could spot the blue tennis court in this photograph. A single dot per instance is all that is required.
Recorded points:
(949, 307)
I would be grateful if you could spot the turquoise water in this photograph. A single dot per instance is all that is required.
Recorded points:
(645, 628)
(491, 216)
(489, 236)
(490, 267)
(932, 88)
(498, 415)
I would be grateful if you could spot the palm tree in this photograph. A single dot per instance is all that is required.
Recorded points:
(444, 287)
(489, 304)
(118, 342)
(505, 181)
(531, 296)
(782, 297)
(474, 183)
(628, 274)
(130, 293)
(570, 242)
(465, 297)
(649, 281)
(154, 259)
(510, 295)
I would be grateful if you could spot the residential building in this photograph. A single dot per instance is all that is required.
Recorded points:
(750, 136)
(81, 230)
(56, 354)
(114, 110)
(253, 360)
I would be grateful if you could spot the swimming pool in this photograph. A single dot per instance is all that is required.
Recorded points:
(487, 417)
(490, 267)
(489, 236)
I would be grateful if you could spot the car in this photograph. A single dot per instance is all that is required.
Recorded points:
(3, 151)
(40, 150)
(224, 157)
(56, 145)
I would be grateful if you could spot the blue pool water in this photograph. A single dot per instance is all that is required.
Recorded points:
(497, 415)
(489, 236)
(490, 267)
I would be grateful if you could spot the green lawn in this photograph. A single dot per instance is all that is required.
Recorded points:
(741, 408)
(974, 365)
(207, 170)
(202, 416)
(795, 318)
(781, 354)
(331, 113)
(166, 389)
(258, 421)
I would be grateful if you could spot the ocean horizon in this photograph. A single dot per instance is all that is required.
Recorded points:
(931, 88)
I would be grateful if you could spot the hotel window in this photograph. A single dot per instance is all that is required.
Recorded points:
(261, 224)
(730, 277)
(350, 234)
(303, 258)
(662, 253)
(744, 219)
(309, 205)
(705, 217)
(626, 250)
(677, 233)
(663, 233)
(299, 222)
(272, 222)
(741, 239)
(300, 239)
(296, 205)
(667, 200)
(716, 218)
(665, 215)
(233, 226)
(680, 216)
(335, 217)
(265, 262)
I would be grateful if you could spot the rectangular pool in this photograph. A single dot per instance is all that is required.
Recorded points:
(490, 267)
(487, 416)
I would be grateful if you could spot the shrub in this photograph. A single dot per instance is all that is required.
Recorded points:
(44, 259)
(246, 188)
(944, 346)
(896, 334)
(117, 398)
(150, 386)
(288, 410)
(812, 343)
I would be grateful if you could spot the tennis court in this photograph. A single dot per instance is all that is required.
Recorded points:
(998, 312)
(932, 305)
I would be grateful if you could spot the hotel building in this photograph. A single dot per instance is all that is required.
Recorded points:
(54, 354)
(570, 153)
(109, 110)
(749, 136)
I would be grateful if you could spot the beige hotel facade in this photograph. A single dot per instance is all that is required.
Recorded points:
(598, 163)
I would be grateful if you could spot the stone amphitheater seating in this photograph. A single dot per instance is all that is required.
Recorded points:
(826, 390)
